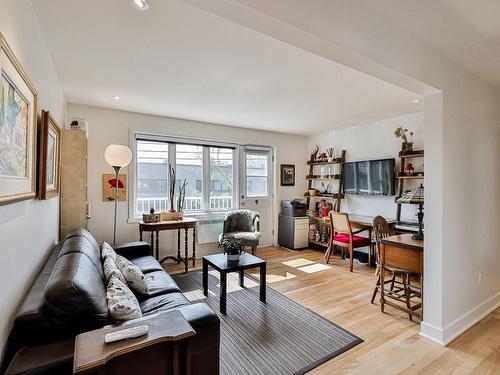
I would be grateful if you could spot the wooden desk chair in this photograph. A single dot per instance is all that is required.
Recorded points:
(400, 290)
(343, 236)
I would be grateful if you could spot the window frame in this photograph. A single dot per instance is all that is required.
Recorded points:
(172, 142)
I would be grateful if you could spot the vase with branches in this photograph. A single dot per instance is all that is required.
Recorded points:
(171, 191)
(403, 133)
(181, 199)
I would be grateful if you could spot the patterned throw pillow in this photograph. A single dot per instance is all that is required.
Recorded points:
(110, 269)
(122, 304)
(134, 276)
(107, 251)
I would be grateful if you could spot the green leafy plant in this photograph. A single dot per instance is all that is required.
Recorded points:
(402, 133)
(231, 247)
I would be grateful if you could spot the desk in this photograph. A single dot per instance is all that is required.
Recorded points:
(164, 350)
(403, 252)
(186, 224)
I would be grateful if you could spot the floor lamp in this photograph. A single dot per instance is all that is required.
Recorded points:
(117, 156)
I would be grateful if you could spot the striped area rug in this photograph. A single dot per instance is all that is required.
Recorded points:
(276, 337)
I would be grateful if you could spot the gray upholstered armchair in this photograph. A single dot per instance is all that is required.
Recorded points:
(242, 225)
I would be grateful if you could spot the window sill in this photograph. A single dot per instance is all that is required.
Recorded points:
(202, 216)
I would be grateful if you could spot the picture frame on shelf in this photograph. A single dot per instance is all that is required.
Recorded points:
(287, 174)
(18, 111)
(49, 157)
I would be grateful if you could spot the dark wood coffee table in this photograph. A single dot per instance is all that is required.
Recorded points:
(220, 263)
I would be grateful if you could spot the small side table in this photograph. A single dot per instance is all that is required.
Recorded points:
(220, 263)
(159, 352)
(155, 228)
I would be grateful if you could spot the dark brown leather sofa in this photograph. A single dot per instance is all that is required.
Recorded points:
(69, 297)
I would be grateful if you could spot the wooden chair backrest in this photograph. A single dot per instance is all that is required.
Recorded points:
(381, 230)
(339, 222)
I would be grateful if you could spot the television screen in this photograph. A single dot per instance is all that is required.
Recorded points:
(372, 177)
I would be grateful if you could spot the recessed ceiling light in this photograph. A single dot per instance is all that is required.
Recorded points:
(416, 101)
(141, 4)
(116, 97)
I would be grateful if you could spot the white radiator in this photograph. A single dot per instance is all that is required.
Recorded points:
(209, 230)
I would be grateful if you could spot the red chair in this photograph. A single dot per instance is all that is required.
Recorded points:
(344, 237)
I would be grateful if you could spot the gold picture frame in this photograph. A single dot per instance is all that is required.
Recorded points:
(49, 157)
(18, 112)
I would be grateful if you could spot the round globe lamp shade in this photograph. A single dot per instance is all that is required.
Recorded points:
(118, 155)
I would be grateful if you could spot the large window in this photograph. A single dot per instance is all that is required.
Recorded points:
(207, 169)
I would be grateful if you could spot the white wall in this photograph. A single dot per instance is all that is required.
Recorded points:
(108, 126)
(462, 134)
(28, 229)
(375, 140)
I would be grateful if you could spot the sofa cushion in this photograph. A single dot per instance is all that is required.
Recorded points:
(163, 303)
(147, 264)
(81, 244)
(83, 233)
(122, 304)
(75, 295)
(107, 251)
(159, 282)
(134, 276)
(111, 269)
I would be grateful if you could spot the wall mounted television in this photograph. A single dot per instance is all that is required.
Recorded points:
(370, 177)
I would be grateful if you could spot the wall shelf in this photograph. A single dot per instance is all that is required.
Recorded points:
(413, 154)
(317, 177)
(410, 177)
(337, 161)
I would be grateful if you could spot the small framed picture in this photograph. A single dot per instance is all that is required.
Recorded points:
(287, 174)
(49, 157)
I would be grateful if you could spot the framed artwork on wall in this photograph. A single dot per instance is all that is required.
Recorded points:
(18, 101)
(287, 173)
(49, 157)
(108, 187)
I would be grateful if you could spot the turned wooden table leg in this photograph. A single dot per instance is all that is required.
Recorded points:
(194, 246)
(186, 259)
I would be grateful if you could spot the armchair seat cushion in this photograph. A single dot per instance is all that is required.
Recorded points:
(357, 241)
(248, 238)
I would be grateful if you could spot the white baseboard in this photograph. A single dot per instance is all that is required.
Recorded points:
(461, 324)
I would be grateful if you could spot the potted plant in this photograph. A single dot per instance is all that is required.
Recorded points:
(172, 213)
(181, 199)
(331, 154)
(402, 133)
(232, 249)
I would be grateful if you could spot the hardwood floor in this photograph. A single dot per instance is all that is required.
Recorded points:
(391, 341)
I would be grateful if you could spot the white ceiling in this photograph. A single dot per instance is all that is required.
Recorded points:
(180, 61)
(467, 32)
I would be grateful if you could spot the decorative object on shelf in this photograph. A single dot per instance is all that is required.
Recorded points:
(409, 169)
(324, 171)
(232, 248)
(151, 217)
(312, 192)
(314, 153)
(109, 185)
(49, 157)
(117, 156)
(402, 133)
(331, 154)
(420, 214)
(18, 110)
(322, 157)
(287, 173)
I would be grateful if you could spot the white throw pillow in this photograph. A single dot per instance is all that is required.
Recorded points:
(107, 251)
(111, 269)
(122, 304)
(134, 276)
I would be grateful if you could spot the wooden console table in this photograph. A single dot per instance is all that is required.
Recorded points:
(164, 350)
(186, 224)
(402, 252)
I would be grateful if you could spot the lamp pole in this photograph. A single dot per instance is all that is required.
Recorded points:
(117, 171)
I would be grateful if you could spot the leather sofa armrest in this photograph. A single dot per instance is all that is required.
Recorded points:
(133, 249)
